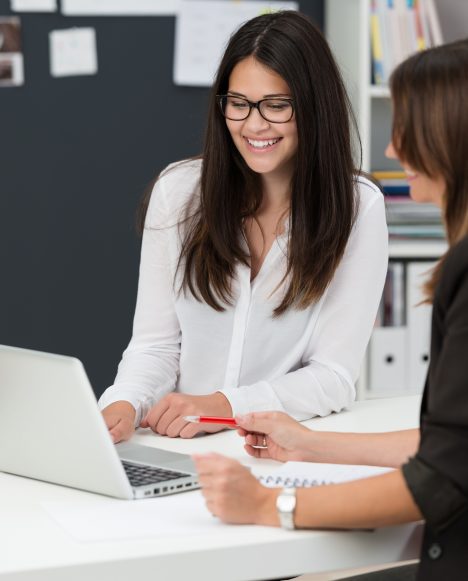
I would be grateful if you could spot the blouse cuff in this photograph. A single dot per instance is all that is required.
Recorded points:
(439, 499)
(258, 397)
(111, 395)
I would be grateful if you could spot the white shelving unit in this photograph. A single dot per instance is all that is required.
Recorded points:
(347, 27)
(404, 251)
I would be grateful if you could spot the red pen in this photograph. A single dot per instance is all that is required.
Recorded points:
(211, 420)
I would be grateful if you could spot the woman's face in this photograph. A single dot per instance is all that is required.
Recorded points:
(267, 148)
(422, 187)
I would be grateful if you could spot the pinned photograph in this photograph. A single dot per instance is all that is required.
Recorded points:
(11, 56)
(73, 52)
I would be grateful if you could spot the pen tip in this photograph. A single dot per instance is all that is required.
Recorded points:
(191, 418)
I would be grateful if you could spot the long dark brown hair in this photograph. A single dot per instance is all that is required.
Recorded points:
(430, 130)
(323, 204)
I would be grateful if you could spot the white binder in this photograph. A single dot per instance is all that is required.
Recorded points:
(418, 321)
(387, 361)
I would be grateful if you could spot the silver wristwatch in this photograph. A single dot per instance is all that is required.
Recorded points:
(285, 505)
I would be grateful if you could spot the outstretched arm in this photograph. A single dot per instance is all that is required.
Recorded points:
(286, 439)
(234, 495)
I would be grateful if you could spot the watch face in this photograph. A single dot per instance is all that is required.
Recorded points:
(286, 503)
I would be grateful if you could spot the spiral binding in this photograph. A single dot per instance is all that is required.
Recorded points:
(273, 481)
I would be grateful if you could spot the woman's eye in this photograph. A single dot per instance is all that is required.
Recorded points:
(277, 106)
(238, 104)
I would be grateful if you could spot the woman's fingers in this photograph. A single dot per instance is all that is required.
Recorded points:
(122, 430)
(258, 440)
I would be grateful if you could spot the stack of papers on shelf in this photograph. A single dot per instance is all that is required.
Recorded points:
(416, 231)
(408, 219)
(406, 211)
(393, 183)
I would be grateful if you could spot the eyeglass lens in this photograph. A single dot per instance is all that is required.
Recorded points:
(274, 110)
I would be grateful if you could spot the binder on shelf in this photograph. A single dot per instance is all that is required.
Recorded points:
(392, 306)
(398, 311)
(419, 325)
(430, 9)
(387, 347)
(387, 360)
(379, 73)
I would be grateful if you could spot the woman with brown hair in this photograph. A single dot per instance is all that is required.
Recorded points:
(263, 261)
(430, 138)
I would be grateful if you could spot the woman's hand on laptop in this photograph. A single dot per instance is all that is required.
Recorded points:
(167, 416)
(120, 419)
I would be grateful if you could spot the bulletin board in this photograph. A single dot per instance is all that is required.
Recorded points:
(76, 154)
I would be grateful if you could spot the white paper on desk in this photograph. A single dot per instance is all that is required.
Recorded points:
(34, 5)
(203, 28)
(73, 52)
(315, 474)
(120, 7)
(109, 520)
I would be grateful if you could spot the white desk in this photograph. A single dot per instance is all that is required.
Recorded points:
(34, 547)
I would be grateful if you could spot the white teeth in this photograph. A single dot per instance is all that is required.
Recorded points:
(262, 143)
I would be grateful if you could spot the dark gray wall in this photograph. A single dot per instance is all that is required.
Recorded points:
(75, 156)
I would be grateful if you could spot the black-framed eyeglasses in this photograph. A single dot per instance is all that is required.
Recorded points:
(273, 109)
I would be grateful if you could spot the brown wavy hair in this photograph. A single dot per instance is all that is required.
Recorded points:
(430, 130)
(323, 204)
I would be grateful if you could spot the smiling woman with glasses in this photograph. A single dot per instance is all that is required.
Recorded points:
(263, 260)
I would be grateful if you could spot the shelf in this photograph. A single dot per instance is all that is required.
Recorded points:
(379, 92)
(417, 248)
(347, 29)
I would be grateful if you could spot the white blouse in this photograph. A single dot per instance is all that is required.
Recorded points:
(304, 362)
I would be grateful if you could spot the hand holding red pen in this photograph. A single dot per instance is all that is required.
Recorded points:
(277, 436)
(272, 435)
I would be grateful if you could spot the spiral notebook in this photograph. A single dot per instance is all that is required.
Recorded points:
(306, 474)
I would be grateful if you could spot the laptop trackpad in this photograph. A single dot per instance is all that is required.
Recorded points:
(155, 457)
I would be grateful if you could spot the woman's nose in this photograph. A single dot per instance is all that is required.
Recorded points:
(255, 122)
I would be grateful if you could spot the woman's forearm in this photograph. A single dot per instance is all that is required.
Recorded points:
(376, 449)
(368, 503)
(372, 502)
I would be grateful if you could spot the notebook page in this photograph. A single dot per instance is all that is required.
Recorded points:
(314, 474)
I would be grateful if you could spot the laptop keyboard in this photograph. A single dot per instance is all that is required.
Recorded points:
(140, 475)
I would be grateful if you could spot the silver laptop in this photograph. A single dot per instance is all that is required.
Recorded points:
(51, 429)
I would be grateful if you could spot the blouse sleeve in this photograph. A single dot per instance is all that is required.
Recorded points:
(149, 366)
(332, 360)
(438, 475)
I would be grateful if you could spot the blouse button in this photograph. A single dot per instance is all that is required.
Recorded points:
(434, 551)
